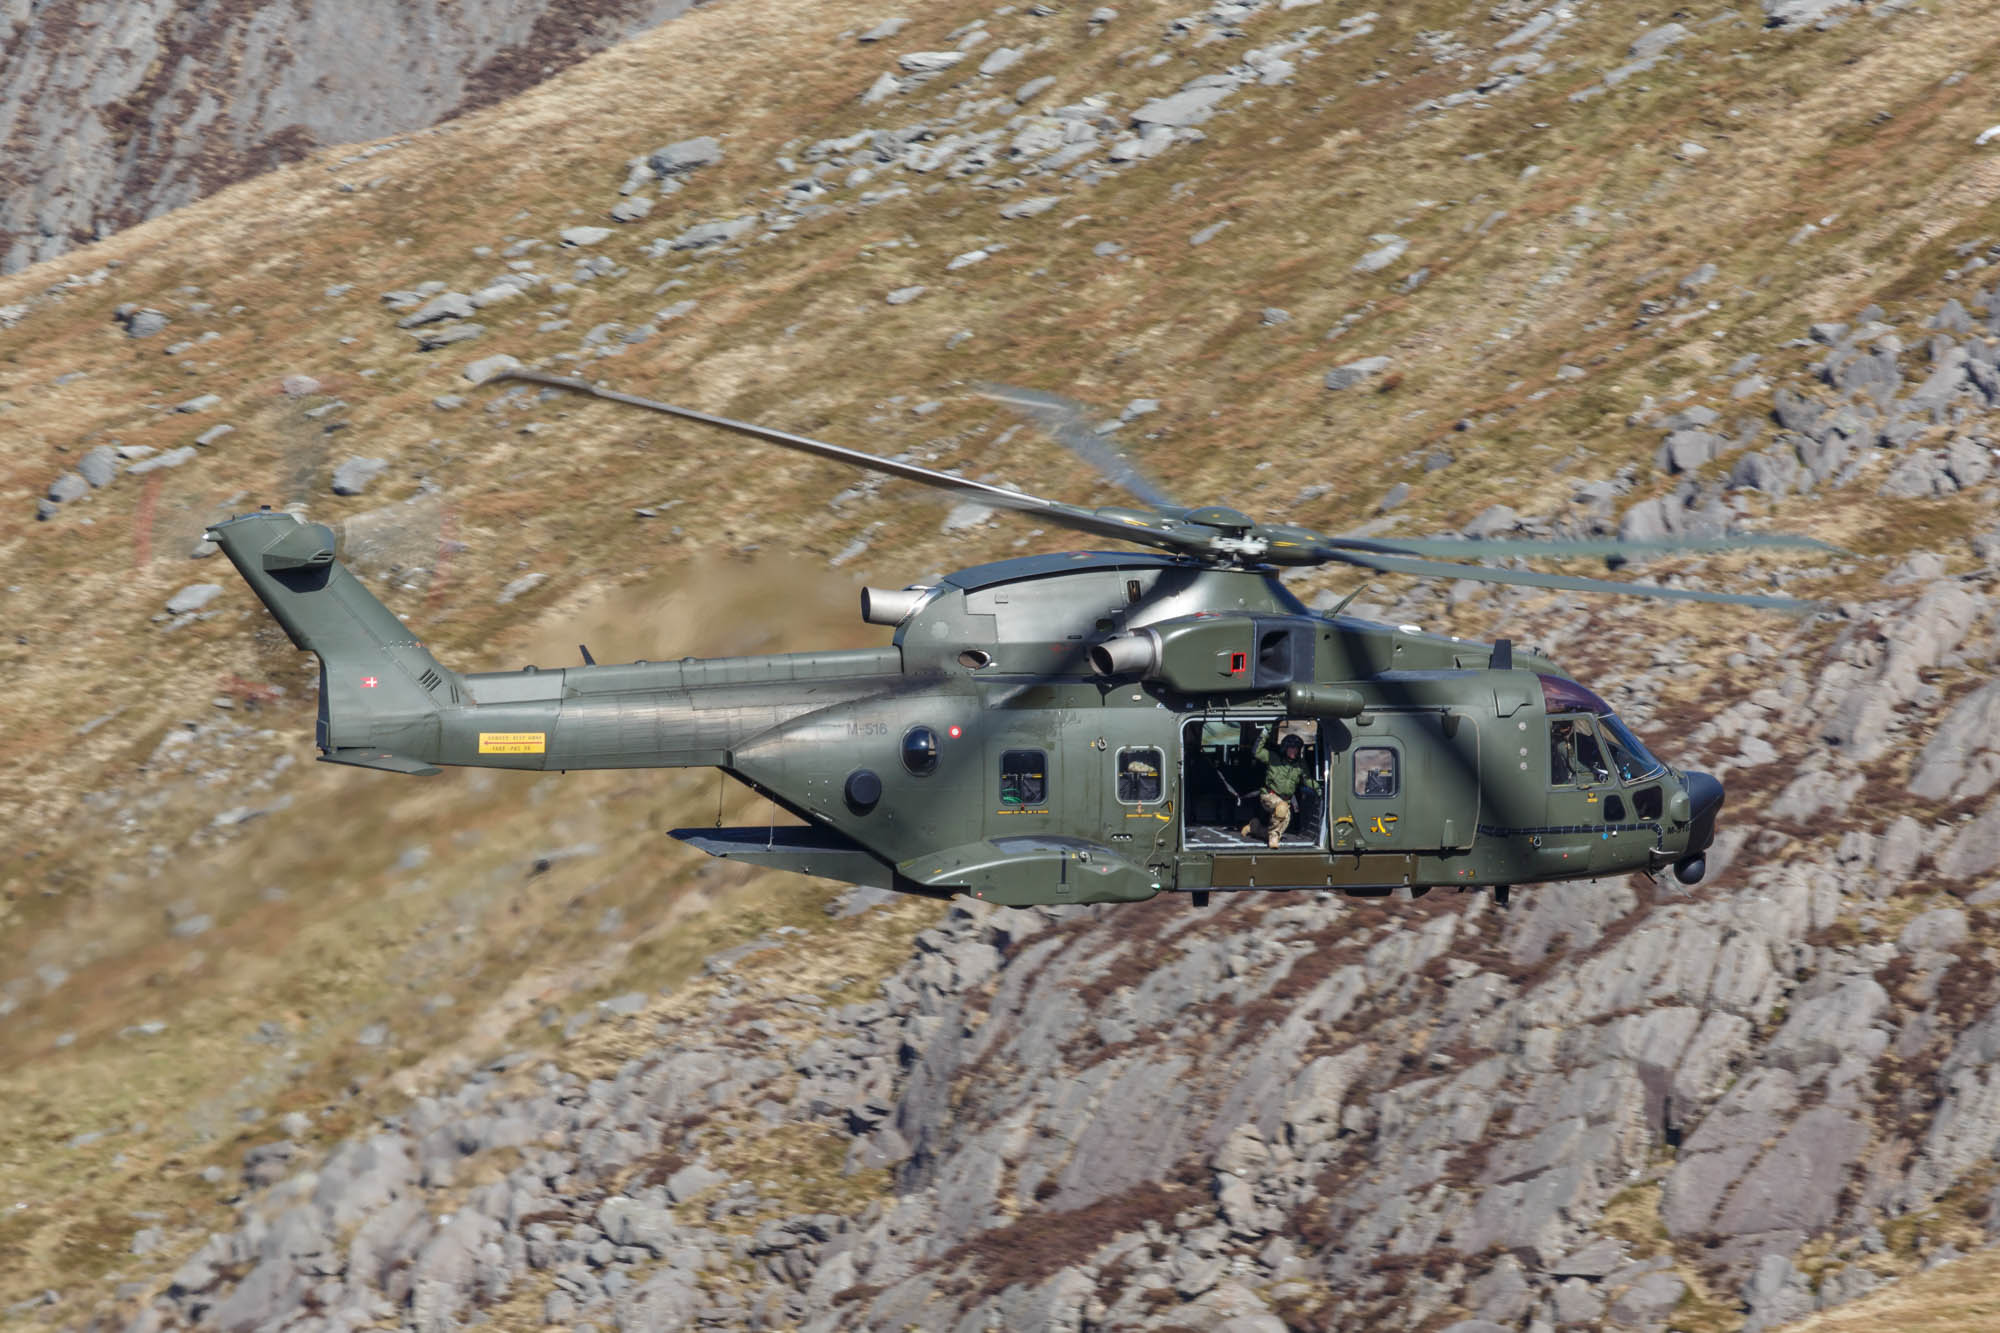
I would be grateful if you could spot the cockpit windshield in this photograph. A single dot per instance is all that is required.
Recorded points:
(1632, 759)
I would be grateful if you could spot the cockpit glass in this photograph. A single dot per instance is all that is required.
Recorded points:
(1590, 758)
(1633, 760)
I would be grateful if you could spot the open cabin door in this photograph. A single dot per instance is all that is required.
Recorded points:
(1222, 776)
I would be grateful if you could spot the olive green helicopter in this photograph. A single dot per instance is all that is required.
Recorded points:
(1098, 726)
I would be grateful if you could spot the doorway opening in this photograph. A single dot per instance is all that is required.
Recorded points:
(1227, 767)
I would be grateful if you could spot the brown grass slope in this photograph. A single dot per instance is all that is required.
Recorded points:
(435, 909)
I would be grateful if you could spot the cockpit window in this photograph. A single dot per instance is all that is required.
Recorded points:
(1633, 760)
(1575, 758)
(1562, 695)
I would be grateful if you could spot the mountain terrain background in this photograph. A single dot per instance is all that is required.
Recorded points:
(284, 1046)
(113, 111)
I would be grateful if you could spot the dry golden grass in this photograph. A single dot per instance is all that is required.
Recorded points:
(1953, 1298)
(793, 330)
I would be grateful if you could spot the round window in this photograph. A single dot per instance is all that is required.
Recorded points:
(920, 751)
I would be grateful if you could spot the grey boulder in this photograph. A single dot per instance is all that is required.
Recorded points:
(704, 234)
(193, 598)
(99, 466)
(1779, 13)
(353, 476)
(1187, 107)
(487, 367)
(140, 323)
(1648, 1301)
(450, 305)
(687, 155)
(1356, 372)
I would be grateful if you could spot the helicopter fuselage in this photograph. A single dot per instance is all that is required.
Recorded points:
(1083, 727)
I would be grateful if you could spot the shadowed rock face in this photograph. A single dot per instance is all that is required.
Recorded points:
(115, 111)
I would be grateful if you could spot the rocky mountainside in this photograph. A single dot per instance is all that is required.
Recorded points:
(284, 1047)
(113, 111)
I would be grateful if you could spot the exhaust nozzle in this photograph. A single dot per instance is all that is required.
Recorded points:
(1127, 655)
(881, 606)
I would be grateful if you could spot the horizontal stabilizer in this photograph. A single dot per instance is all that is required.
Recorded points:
(806, 850)
(1025, 870)
(361, 756)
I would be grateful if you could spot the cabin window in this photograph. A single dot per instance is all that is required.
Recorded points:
(1024, 777)
(920, 751)
(1614, 810)
(1648, 802)
(1139, 781)
(1375, 772)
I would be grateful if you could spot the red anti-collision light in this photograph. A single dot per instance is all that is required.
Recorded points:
(954, 732)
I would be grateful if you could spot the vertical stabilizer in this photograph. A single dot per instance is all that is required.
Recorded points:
(380, 689)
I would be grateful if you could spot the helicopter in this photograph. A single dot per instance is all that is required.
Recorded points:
(1076, 727)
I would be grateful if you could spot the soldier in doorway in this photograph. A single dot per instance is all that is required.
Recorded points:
(1284, 773)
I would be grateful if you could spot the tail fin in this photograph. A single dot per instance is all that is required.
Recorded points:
(380, 690)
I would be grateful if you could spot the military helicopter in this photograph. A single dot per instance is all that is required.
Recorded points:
(1098, 726)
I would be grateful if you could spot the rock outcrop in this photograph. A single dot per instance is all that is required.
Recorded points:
(114, 111)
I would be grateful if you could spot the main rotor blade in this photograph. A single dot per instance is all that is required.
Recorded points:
(1480, 547)
(1143, 529)
(1068, 421)
(1394, 564)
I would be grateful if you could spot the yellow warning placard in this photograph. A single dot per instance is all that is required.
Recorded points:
(511, 742)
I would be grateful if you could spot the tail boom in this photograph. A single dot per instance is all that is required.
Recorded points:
(386, 703)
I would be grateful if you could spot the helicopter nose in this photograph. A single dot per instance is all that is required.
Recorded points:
(1705, 799)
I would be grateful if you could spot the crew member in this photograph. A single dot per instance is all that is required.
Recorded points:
(1562, 753)
(1284, 773)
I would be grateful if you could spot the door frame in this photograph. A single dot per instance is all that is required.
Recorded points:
(1263, 717)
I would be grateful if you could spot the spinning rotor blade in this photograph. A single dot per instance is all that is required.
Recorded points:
(1223, 535)
(1068, 422)
(1119, 525)
(1482, 548)
(1395, 564)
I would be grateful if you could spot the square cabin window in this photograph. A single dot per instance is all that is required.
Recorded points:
(1139, 780)
(1375, 772)
(1024, 777)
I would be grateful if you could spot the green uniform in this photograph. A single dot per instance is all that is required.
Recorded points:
(1279, 792)
(1281, 775)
